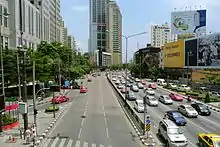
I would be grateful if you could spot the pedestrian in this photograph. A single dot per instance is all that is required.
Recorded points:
(28, 135)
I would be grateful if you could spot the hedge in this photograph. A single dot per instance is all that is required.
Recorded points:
(52, 108)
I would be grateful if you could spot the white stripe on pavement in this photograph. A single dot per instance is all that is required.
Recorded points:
(101, 145)
(69, 143)
(55, 142)
(46, 144)
(62, 142)
(93, 145)
(85, 144)
(77, 144)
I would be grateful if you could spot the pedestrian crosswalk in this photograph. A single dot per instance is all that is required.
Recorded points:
(66, 142)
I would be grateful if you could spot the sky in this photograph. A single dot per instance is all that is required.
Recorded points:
(137, 16)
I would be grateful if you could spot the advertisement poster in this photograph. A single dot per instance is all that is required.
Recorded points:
(189, 22)
(174, 54)
(191, 53)
(209, 51)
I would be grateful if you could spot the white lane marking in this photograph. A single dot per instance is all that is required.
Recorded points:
(93, 145)
(69, 143)
(82, 122)
(101, 145)
(46, 144)
(105, 121)
(80, 132)
(62, 142)
(85, 144)
(55, 142)
(107, 132)
(77, 144)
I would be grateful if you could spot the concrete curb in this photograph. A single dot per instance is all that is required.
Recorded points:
(50, 126)
(209, 106)
(142, 139)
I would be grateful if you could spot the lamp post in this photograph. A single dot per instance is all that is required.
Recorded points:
(126, 52)
(2, 64)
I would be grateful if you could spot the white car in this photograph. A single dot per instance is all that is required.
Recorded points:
(123, 81)
(137, 80)
(184, 87)
(150, 91)
(114, 79)
(139, 105)
(117, 82)
(165, 99)
(134, 88)
(187, 110)
(140, 86)
(172, 85)
(120, 86)
(119, 76)
(152, 101)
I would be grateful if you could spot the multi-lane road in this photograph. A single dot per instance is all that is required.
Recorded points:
(194, 126)
(94, 119)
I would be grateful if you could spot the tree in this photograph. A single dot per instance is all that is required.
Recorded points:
(207, 98)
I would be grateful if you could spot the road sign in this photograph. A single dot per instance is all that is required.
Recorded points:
(147, 127)
(147, 121)
(22, 107)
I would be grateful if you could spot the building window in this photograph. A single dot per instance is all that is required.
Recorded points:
(99, 36)
(5, 17)
(99, 43)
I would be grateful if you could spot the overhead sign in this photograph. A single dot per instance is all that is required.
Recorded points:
(174, 54)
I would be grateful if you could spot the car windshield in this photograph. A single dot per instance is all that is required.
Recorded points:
(174, 131)
(203, 107)
(190, 108)
(176, 115)
(216, 143)
(140, 104)
(166, 98)
(132, 94)
(153, 99)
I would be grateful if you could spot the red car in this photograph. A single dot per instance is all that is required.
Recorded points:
(153, 86)
(143, 82)
(124, 90)
(175, 97)
(83, 89)
(59, 99)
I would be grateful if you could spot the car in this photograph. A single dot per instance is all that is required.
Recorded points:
(137, 80)
(123, 81)
(143, 82)
(165, 99)
(172, 85)
(131, 96)
(184, 88)
(120, 86)
(151, 100)
(129, 84)
(59, 99)
(176, 117)
(187, 110)
(176, 97)
(139, 106)
(172, 134)
(150, 91)
(201, 109)
(140, 86)
(83, 89)
(208, 140)
(153, 86)
(134, 88)
(117, 82)
(114, 79)
(123, 90)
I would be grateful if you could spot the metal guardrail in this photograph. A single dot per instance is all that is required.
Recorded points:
(136, 120)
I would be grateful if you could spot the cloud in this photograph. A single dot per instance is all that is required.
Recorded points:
(80, 8)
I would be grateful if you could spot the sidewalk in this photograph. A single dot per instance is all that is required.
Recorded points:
(45, 122)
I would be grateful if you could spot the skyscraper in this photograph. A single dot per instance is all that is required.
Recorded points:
(115, 37)
(97, 27)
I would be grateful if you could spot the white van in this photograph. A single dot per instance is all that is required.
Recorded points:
(161, 82)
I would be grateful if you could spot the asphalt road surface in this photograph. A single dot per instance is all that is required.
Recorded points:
(95, 119)
(194, 126)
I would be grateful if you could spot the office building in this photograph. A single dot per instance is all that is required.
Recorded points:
(4, 30)
(105, 59)
(55, 18)
(115, 36)
(98, 18)
(159, 35)
(30, 24)
(63, 33)
(71, 42)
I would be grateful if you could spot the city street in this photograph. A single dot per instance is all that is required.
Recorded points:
(202, 124)
(94, 119)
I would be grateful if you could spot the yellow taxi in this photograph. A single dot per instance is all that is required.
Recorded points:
(209, 140)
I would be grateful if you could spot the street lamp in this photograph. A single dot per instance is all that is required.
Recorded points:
(2, 64)
(126, 52)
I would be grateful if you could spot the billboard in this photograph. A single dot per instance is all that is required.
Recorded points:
(191, 52)
(189, 22)
(174, 54)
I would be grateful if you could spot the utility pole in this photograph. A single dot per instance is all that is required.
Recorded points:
(188, 62)
(34, 96)
(145, 111)
(59, 76)
(25, 116)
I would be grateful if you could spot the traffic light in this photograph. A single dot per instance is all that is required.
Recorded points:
(35, 112)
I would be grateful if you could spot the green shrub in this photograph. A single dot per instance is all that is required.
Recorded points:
(181, 90)
(207, 98)
(8, 119)
(192, 93)
(52, 108)
(11, 99)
